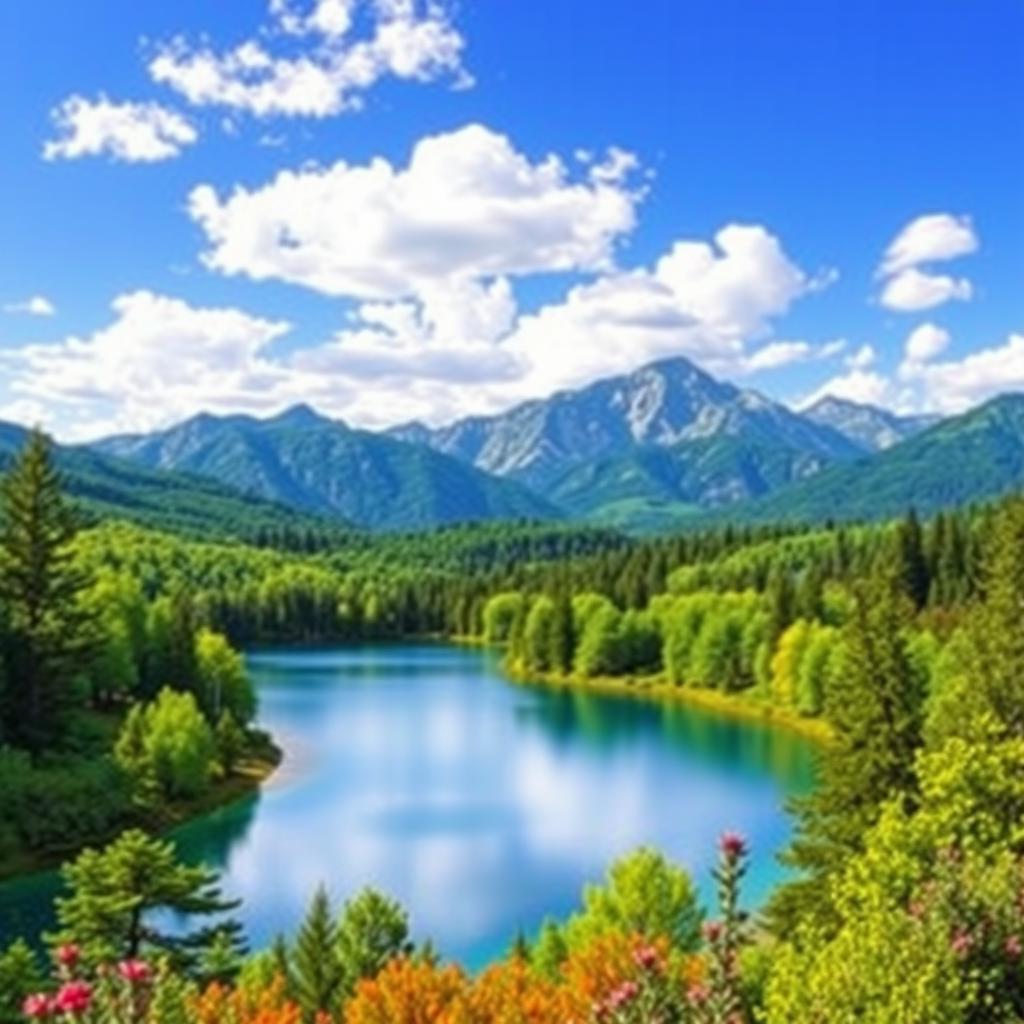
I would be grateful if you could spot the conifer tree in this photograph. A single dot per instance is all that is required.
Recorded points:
(373, 930)
(50, 631)
(315, 971)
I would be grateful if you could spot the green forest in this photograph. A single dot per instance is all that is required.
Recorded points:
(125, 706)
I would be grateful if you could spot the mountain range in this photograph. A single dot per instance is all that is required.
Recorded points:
(660, 448)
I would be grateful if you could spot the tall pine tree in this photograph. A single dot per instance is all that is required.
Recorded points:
(315, 970)
(50, 634)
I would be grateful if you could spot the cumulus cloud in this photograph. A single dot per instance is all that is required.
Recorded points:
(317, 59)
(933, 238)
(924, 343)
(36, 305)
(131, 132)
(468, 204)
(912, 290)
(866, 387)
(158, 360)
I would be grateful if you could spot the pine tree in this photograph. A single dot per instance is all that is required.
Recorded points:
(874, 704)
(112, 891)
(373, 930)
(316, 972)
(49, 631)
(911, 564)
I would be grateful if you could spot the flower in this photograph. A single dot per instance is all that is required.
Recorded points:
(134, 971)
(712, 930)
(698, 994)
(68, 955)
(647, 958)
(733, 845)
(73, 997)
(36, 1006)
(1012, 947)
(961, 944)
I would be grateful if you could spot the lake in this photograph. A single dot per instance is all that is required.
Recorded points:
(480, 804)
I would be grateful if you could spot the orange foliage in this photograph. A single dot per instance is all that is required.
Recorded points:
(220, 1005)
(509, 993)
(407, 992)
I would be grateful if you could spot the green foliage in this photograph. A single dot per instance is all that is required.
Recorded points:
(20, 975)
(643, 894)
(316, 973)
(170, 742)
(48, 629)
(222, 682)
(371, 931)
(111, 892)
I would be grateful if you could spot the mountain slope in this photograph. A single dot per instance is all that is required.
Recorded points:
(320, 465)
(967, 458)
(872, 428)
(111, 488)
(663, 405)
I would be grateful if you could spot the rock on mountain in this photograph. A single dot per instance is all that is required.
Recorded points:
(319, 465)
(872, 428)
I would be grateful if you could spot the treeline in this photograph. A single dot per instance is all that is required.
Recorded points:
(114, 703)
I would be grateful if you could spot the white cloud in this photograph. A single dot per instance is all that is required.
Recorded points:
(912, 289)
(159, 360)
(404, 39)
(36, 305)
(778, 353)
(466, 205)
(924, 343)
(933, 238)
(866, 387)
(864, 357)
(132, 132)
(956, 385)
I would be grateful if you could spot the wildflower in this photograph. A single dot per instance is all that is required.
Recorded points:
(134, 971)
(961, 944)
(73, 997)
(698, 994)
(733, 845)
(36, 1006)
(712, 930)
(647, 958)
(1012, 947)
(68, 955)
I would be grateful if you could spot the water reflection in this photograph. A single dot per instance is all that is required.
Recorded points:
(482, 806)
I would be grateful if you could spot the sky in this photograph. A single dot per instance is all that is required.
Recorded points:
(425, 209)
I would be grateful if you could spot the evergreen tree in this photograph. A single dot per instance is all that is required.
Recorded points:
(874, 703)
(373, 930)
(911, 564)
(315, 971)
(49, 631)
(562, 636)
(111, 893)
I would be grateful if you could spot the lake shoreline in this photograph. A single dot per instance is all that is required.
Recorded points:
(249, 776)
(656, 689)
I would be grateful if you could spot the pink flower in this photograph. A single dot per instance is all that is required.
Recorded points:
(961, 944)
(625, 993)
(68, 955)
(134, 971)
(697, 994)
(74, 997)
(733, 845)
(647, 958)
(36, 1006)
(712, 930)
(1013, 947)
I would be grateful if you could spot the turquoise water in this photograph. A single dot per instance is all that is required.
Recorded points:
(483, 806)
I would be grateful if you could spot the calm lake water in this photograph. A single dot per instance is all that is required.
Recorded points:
(483, 806)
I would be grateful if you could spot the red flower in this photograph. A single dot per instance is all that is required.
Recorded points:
(712, 930)
(134, 971)
(36, 1006)
(647, 958)
(73, 997)
(733, 845)
(68, 955)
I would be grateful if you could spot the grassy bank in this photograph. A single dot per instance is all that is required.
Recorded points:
(252, 770)
(655, 688)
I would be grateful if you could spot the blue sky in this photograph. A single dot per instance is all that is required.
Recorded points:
(397, 209)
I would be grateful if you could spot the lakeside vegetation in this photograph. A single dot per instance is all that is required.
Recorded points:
(124, 695)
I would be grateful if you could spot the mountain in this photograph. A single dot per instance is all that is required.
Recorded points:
(319, 465)
(647, 449)
(110, 488)
(972, 457)
(872, 428)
